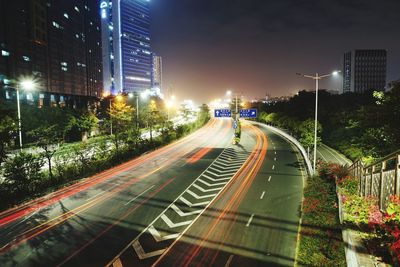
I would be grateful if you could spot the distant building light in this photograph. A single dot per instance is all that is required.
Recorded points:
(76, 8)
(140, 79)
(66, 15)
(5, 53)
(65, 64)
(26, 58)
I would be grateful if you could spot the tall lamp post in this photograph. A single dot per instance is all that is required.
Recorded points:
(229, 93)
(317, 77)
(27, 85)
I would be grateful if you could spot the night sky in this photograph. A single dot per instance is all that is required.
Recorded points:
(256, 46)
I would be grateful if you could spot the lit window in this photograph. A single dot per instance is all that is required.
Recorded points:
(65, 64)
(5, 53)
(8, 96)
(26, 58)
(76, 8)
(55, 24)
(66, 15)
(64, 68)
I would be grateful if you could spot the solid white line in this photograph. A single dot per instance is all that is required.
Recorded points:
(262, 195)
(133, 199)
(269, 179)
(250, 219)
(228, 263)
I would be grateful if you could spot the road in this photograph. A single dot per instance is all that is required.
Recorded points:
(328, 154)
(198, 202)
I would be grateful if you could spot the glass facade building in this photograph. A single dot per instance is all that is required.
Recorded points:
(58, 44)
(364, 70)
(127, 57)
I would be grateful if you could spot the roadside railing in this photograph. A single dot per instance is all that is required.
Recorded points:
(380, 179)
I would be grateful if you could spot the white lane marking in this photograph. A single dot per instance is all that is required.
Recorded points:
(143, 255)
(171, 224)
(249, 221)
(133, 199)
(275, 153)
(269, 179)
(273, 167)
(206, 190)
(184, 214)
(228, 263)
(196, 196)
(117, 263)
(262, 195)
(275, 159)
(190, 204)
(157, 236)
(95, 196)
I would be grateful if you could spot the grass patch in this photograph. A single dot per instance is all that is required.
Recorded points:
(320, 240)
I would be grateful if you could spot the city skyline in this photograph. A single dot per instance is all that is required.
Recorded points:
(258, 47)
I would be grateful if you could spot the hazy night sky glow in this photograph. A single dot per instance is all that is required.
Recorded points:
(257, 46)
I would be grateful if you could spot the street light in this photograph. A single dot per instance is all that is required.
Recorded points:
(118, 98)
(136, 95)
(317, 77)
(27, 85)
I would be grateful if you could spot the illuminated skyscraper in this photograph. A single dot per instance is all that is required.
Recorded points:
(127, 58)
(364, 70)
(157, 73)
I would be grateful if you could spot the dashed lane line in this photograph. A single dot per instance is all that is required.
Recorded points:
(250, 219)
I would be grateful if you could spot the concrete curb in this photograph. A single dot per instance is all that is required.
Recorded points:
(293, 141)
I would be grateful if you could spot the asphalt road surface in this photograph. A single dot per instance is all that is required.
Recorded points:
(200, 201)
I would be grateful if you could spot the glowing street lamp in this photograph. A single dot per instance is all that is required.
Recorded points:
(27, 85)
(317, 77)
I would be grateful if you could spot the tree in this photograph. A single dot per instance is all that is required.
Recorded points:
(82, 124)
(121, 117)
(22, 172)
(204, 115)
(151, 117)
(48, 138)
(306, 131)
(8, 129)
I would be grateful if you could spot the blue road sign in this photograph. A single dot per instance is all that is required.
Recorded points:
(248, 113)
(235, 124)
(222, 113)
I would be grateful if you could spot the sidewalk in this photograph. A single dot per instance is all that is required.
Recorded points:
(356, 253)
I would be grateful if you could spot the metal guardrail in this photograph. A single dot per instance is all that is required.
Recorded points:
(380, 179)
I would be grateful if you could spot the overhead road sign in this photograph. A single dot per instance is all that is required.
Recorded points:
(248, 113)
(222, 113)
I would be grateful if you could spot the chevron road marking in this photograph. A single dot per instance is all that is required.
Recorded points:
(190, 204)
(232, 161)
(143, 255)
(226, 164)
(226, 167)
(206, 190)
(235, 156)
(207, 184)
(171, 224)
(224, 172)
(229, 174)
(184, 214)
(196, 196)
(215, 180)
(157, 236)
(117, 263)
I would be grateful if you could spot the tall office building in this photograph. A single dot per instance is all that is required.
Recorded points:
(127, 58)
(364, 70)
(157, 73)
(58, 44)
